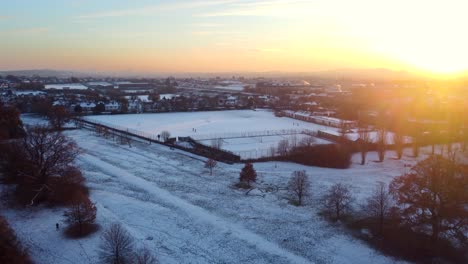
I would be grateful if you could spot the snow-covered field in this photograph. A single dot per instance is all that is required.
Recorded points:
(170, 204)
(67, 86)
(210, 124)
(257, 147)
(217, 124)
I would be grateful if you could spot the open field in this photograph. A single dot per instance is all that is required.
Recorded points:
(213, 123)
(170, 204)
(234, 127)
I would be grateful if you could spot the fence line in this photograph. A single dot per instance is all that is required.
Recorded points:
(198, 149)
(263, 133)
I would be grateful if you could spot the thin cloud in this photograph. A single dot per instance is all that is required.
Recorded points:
(210, 32)
(25, 31)
(149, 10)
(207, 25)
(267, 50)
(4, 17)
(278, 8)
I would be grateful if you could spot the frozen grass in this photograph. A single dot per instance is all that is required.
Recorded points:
(168, 201)
(218, 124)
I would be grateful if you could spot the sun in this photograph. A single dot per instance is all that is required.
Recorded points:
(438, 57)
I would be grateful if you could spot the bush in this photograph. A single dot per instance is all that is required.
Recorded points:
(80, 217)
(68, 188)
(165, 135)
(11, 250)
(329, 156)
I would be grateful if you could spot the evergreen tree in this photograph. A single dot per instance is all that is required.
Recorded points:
(248, 174)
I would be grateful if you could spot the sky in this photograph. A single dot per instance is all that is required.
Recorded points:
(234, 35)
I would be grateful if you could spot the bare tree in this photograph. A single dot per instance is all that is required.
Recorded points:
(165, 135)
(283, 147)
(125, 139)
(272, 151)
(210, 164)
(432, 198)
(50, 152)
(307, 141)
(378, 205)
(381, 143)
(217, 143)
(343, 128)
(117, 246)
(58, 116)
(337, 201)
(398, 141)
(364, 140)
(464, 134)
(80, 214)
(299, 185)
(144, 256)
(416, 143)
(293, 140)
(40, 155)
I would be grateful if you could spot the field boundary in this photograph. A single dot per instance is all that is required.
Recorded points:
(197, 149)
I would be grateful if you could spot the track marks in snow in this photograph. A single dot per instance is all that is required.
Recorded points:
(198, 213)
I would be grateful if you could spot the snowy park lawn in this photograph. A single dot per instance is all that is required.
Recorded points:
(212, 124)
(170, 204)
(218, 124)
(257, 147)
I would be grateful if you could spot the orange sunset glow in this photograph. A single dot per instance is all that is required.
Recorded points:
(223, 36)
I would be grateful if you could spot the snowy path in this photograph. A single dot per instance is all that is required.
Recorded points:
(200, 214)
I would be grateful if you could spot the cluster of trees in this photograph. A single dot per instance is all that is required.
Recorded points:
(10, 123)
(419, 214)
(39, 168)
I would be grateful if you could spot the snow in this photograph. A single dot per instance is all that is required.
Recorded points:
(103, 84)
(258, 147)
(205, 126)
(34, 120)
(167, 96)
(33, 93)
(231, 87)
(192, 217)
(69, 86)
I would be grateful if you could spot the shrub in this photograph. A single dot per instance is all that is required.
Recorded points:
(11, 250)
(330, 156)
(80, 217)
(248, 174)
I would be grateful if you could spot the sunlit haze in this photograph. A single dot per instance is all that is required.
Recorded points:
(234, 35)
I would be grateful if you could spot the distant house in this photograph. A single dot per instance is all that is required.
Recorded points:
(87, 107)
(135, 106)
(231, 101)
(112, 106)
(322, 120)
